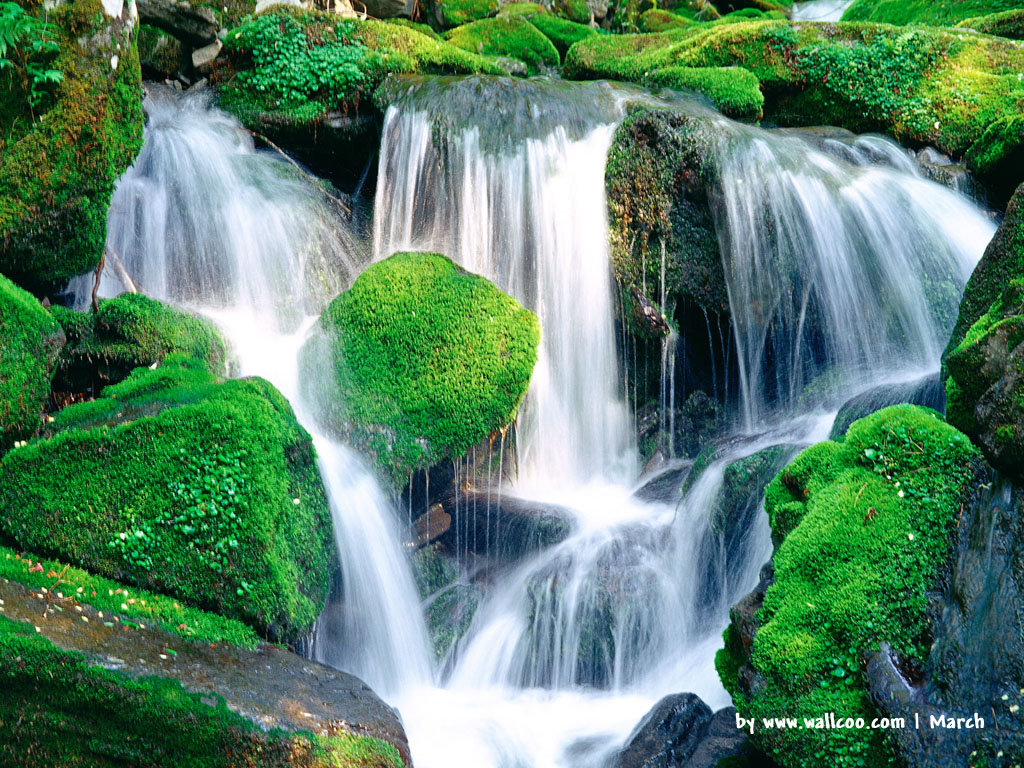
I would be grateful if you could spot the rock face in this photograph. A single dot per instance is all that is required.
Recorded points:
(156, 698)
(191, 23)
(57, 173)
(854, 523)
(30, 340)
(422, 361)
(927, 391)
(187, 484)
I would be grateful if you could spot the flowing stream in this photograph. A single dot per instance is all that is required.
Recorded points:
(843, 267)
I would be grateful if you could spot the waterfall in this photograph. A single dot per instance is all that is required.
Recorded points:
(843, 264)
(205, 221)
(518, 197)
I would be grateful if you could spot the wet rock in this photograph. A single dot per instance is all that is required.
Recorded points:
(161, 55)
(927, 391)
(191, 23)
(667, 735)
(723, 740)
(203, 58)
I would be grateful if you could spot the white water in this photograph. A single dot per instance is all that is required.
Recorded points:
(820, 10)
(526, 209)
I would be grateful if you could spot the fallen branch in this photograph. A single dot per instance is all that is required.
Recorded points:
(122, 273)
(96, 284)
(303, 171)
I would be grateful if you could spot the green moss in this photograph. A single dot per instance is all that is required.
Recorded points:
(507, 36)
(1006, 24)
(29, 343)
(921, 85)
(562, 32)
(657, 20)
(735, 91)
(295, 67)
(59, 709)
(160, 54)
(942, 14)
(454, 13)
(423, 29)
(127, 605)
(524, 9)
(130, 332)
(867, 531)
(57, 173)
(183, 483)
(430, 360)
(573, 10)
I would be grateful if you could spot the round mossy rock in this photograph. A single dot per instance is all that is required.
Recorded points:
(30, 341)
(511, 36)
(733, 90)
(184, 483)
(426, 361)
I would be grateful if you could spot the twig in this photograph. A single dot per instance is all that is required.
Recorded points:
(302, 170)
(122, 273)
(96, 284)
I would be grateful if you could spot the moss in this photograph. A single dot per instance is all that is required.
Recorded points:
(946, 13)
(160, 54)
(657, 20)
(129, 332)
(123, 604)
(454, 13)
(562, 32)
(182, 483)
(288, 68)
(921, 85)
(1005, 24)
(735, 91)
(867, 530)
(30, 341)
(524, 9)
(57, 172)
(430, 360)
(59, 709)
(573, 10)
(998, 154)
(507, 36)
(423, 29)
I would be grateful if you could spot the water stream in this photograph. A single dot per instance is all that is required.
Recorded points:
(843, 264)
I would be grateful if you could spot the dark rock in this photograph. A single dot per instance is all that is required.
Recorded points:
(161, 55)
(667, 735)
(927, 391)
(723, 739)
(648, 318)
(388, 9)
(195, 25)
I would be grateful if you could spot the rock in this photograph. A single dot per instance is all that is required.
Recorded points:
(192, 23)
(507, 36)
(160, 54)
(649, 319)
(418, 362)
(153, 693)
(203, 58)
(724, 740)
(449, 602)
(30, 341)
(453, 13)
(57, 171)
(927, 391)
(389, 9)
(197, 445)
(668, 735)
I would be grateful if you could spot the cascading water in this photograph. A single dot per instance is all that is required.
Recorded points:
(572, 645)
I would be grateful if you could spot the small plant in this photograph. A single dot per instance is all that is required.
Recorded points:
(27, 50)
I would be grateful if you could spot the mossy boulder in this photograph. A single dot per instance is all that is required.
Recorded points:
(30, 341)
(985, 389)
(508, 36)
(58, 166)
(735, 91)
(524, 9)
(454, 13)
(427, 359)
(184, 483)
(1006, 24)
(160, 54)
(914, 84)
(658, 20)
(129, 332)
(942, 14)
(865, 530)
(561, 32)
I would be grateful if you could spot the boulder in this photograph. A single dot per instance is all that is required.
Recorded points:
(30, 342)
(191, 22)
(60, 160)
(927, 391)
(507, 36)
(668, 735)
(161, 55)
(418, 362)
(182, 482)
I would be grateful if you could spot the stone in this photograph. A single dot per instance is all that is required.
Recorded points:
(193, 24)
(667, 735)
(203, 57)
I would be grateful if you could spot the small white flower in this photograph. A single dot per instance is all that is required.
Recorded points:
(910, 536)
(936, 125)
(900, 494)
(113, 61)
(124, 606)
(295, 501)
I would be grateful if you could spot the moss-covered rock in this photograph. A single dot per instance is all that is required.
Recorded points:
(64, 707)
(183, 483)
(160, 54)
(428, 361)
(561, 32)
(1006, 24)
(30, 341)
(524, 9)
(735, 91)
(303, 78)
(454, 13)
(943, 14)
(129, 332)
(865, 531)
(658, 20)
(58, 167)
(931, 86)
(423, 29)
(509, 36)
(573, 10)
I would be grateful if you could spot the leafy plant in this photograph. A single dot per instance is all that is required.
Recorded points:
(27, 49)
